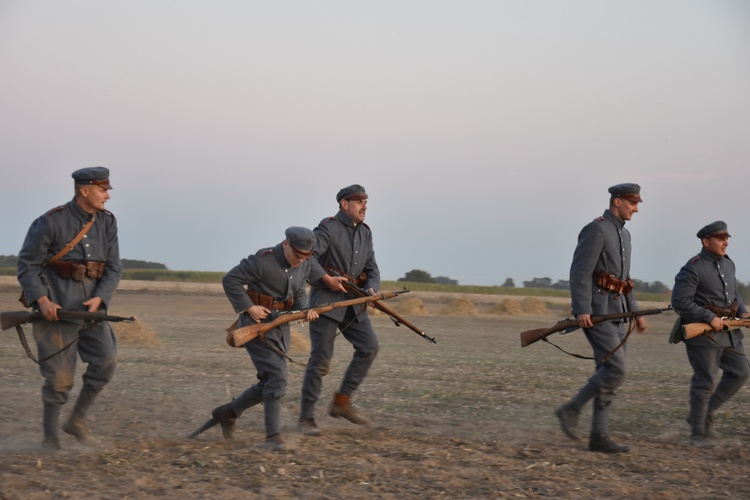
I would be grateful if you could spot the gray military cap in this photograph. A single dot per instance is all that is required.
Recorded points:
(301, 239)
(98, 176)
(629, 191)
(353, 192)
(716, 228)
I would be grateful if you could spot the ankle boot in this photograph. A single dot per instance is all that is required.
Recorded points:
(226, 417)
(341, 407)
(602, 443)
(568, 419)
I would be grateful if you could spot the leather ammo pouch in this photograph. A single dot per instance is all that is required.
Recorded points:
(723, 312)
(77, 271)
(612, 283)
(359, 280)
(269, 302)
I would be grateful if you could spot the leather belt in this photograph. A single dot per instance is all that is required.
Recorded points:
(77, 271)
(723, 312)
(269, 302)
(612, 283)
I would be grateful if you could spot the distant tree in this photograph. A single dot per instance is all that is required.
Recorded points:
(509, 283)
(8, 261)
(744, 290)
(646, 287)
(538, 283)
(444, 280)
(417, 276)
(141, 264)
(561, 285)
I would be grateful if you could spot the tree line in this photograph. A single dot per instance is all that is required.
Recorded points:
(12, 261)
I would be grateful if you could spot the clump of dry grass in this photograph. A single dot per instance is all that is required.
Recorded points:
(460, 307)
(507, 307)
(135, 333)
(534, 305)
(413, 307)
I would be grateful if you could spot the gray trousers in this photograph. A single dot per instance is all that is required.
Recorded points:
(272, 378)
(322, 337)
(97, 348)
(707, 391)
(608, 376)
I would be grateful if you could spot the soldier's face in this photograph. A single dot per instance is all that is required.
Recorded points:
(717, 245)
(355, 209)
(92, 198)
(624, 208)
(292, 256)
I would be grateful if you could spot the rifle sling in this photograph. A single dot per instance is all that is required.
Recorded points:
(605, 358)
(25, 344)
(726, 348)
(579, 356)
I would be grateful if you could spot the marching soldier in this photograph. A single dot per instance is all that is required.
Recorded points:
(600, 284)
(705, 291)
(343, 248)
(71, 260)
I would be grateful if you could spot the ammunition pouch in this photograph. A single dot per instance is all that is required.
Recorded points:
(358, 281)
(723, 312)
(77, 271)
(612, 283)
(269, 302)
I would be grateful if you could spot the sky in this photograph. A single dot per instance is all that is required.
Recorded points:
(485, 132)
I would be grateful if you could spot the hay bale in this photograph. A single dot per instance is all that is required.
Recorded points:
(135, 333)
(534, 305)
(507, 307)
(460, 307)
(412, 307)
(300, 340)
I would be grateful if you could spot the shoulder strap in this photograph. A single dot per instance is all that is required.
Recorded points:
(67, 248)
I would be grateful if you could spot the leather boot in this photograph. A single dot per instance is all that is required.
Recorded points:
(50, 423)
(603, 444)
(226, 417)
(568, 418)
(76, 424)
(341, 407)
(275, 443)
(308, 427)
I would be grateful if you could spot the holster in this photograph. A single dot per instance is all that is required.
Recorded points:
(269, 302)
(612, 283)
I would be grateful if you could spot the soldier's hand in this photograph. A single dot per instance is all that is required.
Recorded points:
(334, 283)
(717, 323)
(584, 320)
(258, 313)
(640, 324)
(48, 308)
(312, 315)
(93, 304)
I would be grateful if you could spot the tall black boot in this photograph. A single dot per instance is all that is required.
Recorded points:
(50, 423)
(602, 443)
(76, 424)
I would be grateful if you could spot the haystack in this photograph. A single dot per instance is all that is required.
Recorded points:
(135, 333)
(409, 307)
(534, 305)
(460, 307)
(507, 307)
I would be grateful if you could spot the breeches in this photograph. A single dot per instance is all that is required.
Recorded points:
(97, 347)
(604, 338)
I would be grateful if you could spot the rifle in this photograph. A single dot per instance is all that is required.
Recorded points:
(10, 319)
(395, 317)
(692, 330)
(241, 336)
(568, 325)
(15, 319)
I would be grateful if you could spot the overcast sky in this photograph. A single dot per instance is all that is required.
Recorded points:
(485, 132)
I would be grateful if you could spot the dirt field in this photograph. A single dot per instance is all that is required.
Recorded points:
(469, 417)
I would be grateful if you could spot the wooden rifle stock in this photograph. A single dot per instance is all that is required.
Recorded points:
(691, 330)
(397, 318)
(241, 336)
(530, 336)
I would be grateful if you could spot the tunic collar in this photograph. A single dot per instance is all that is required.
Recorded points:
(78, 212)
(711, 257)
(278, 252)
(343, 217)
(613, 219)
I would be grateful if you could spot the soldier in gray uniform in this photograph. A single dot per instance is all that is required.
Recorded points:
(343, 247)
(600, 284)
(705, 290)
(261, 286)
(83, 278)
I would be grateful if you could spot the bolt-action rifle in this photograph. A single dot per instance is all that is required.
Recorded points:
(568, 325)
(395, 317)
(241, 336)
(10, 319)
